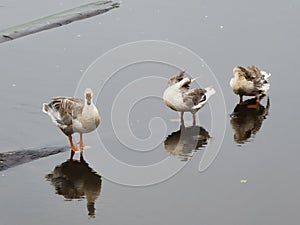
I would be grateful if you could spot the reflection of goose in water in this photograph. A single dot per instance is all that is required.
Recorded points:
(75, 180)
(184, 142)
(246, 121)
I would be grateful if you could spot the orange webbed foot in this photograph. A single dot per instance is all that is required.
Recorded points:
(252, 106)
(74, 148)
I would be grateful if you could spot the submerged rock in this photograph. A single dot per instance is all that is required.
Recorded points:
(15, 158)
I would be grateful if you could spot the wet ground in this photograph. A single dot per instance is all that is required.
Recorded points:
(253, 180)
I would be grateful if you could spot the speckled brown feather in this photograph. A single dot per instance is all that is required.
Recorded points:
(68, 108)
(175, 79)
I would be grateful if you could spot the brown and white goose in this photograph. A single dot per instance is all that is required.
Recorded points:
(74, 115)
(250, 81)
(180, 97)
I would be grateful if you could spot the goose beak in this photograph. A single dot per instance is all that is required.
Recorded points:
(88, 98)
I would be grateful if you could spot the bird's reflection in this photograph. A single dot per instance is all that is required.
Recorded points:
(76, 180)
(246, 121)
(187, 140)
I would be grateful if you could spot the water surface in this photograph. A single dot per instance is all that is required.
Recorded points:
(224, 34)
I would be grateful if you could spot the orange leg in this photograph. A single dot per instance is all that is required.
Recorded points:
(81, 145)
(257, 101)
(241, 99)
(73, 147)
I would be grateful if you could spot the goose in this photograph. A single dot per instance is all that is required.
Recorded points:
(74, 115)
(250, 81)
(180, 97)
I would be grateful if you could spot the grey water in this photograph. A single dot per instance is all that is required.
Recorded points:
(253, 179)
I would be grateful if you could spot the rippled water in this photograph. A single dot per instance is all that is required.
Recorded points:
(253, 180)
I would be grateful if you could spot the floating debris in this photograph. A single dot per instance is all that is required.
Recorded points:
(221, 27)
(243, 181)
(57, 20)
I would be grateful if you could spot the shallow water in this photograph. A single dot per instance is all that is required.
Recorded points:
(253, 181)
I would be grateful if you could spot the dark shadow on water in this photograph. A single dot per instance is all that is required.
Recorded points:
(246, 122)
(74, 179)
(186, 141)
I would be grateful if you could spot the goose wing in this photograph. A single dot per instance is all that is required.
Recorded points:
(193, 96)
(68, 108)
(259, 78)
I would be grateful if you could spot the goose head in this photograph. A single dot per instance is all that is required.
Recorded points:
(88, 94)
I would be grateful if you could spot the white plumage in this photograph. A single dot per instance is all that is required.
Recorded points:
(180, 97)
